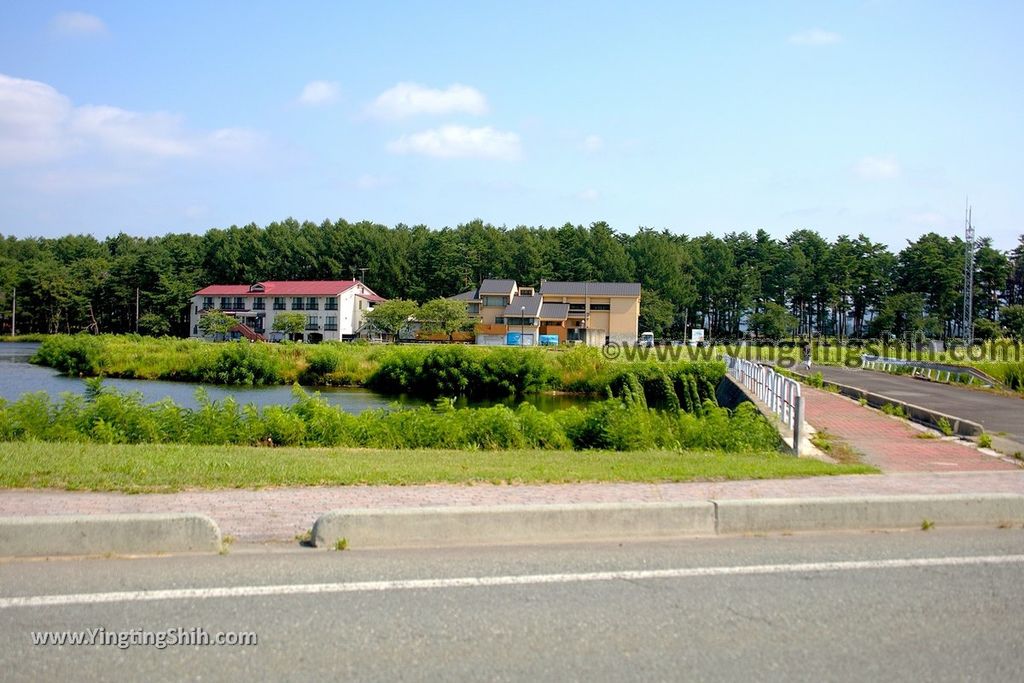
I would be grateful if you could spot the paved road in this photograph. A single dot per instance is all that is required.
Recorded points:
(938, 605)
(996, 412)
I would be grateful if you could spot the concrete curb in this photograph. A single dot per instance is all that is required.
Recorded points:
(447, 526)
(875, 512)
(130, 534)
(466, 526)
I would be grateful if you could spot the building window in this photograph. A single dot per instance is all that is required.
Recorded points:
(312, 303)
(207, 303)
(495, 301)
(331, 323)
(499, 320)
(239, 304)
(473, 309)
(278, 303)
(519, 322)
(312, 322)
(577, 307)
(297, 303)
(600, 307)
(259, 304)
(331, 304)
(225, 303)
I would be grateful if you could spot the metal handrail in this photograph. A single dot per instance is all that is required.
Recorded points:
(780, 394)
(928, 370)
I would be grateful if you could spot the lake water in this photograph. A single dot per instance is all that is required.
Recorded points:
(18, 376)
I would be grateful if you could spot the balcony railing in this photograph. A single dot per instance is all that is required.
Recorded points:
(259, 306)
(312, 328)
(279, 307)
(331, 306)
(298, 306)
(314, 306)
(330, 327)
(232, 307)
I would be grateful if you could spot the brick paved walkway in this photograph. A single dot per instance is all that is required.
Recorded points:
(279, 514)
(890, 443)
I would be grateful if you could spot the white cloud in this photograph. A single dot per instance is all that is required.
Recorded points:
(123, 131)
(77, 24)
(878, 168)
(593, 143)
(409, 99)
(449, 142)
(39, 125)
(816, 37)
(319, 92)
(589, 195)
(32, 117)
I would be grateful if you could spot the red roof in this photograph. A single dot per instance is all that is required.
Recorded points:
(283, 288)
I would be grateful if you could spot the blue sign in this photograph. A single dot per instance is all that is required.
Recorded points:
(513, 339)
(549, 340)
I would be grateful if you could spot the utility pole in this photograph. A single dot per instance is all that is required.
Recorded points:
(968, 319)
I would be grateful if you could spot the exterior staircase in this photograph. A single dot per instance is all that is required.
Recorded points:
(248, 332)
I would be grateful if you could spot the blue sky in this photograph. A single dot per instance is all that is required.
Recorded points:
(866, 116)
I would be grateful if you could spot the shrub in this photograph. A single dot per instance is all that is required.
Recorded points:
(77, 355)
(242, 362)
(618, 423)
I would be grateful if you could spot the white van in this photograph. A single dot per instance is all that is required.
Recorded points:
(647, 340)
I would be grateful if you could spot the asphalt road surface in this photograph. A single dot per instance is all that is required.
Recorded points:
(995, 412)
(936, 605)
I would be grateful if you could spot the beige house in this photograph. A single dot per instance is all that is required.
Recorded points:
(594, 313)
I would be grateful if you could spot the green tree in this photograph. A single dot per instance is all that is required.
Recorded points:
(214, 323)
(986, 330)
(902, 315)
(444, 315)
(774, 322)
(656, 314)
(1012, 318)
(154, 324)
(392, 315)
(289, 323)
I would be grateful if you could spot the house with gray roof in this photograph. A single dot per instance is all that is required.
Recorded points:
(593, 313)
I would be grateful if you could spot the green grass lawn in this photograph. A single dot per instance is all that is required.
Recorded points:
(156, 468)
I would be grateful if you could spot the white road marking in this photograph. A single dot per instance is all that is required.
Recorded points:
(485, 581)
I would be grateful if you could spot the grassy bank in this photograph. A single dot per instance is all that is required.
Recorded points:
(624, 422)
(421, 370)
(155, 468)
(24, 338)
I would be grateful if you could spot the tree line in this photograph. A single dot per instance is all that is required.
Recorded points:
(802, 284)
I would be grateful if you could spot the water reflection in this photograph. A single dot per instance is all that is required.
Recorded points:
(18, 376)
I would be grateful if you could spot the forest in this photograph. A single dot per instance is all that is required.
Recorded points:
(803, 284)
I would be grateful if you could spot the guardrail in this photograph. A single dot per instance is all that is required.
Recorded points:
(780, 394)
(927, 370)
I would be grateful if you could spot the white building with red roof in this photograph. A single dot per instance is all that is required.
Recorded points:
(335, 310)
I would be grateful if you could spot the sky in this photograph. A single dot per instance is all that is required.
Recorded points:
(878, 117)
